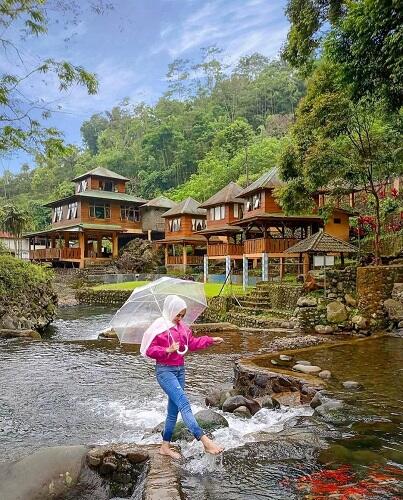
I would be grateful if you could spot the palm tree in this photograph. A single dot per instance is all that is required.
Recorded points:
(14, 220)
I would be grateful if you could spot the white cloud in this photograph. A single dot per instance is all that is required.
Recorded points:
(238, 26)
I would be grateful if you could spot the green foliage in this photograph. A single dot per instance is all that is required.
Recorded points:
(22, 118)
(17, 275)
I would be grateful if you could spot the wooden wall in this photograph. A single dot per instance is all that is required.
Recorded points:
(186, 226)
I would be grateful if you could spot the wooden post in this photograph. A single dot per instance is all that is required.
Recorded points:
(166, 254)
(115, 245)
(149, 235)
(66, 240)
(281, 268)
(99, 246)
(184, 257)
(342, 259)
(306, 264)
(81, 244)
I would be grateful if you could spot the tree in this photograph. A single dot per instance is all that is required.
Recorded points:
(363, 36)
(91, 130)
(21, 117)
(14, 221)
(339, 144)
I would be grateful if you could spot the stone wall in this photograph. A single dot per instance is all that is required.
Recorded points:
(282, 296)
(374, 286)
(341, 281)
(217, 309)
(102, 297)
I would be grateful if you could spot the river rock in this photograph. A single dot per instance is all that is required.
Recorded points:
(27, 334)
(291, 399)
(397, 292)
(333, 412)
(325, 374)
(234, 402)
(351, 385)
(307, 368)
(324, 329)
(242, 411)
(303, 362)
(268, 402)
(215, 395)
(285, 357)
(225, 394)
(350, 300)
(336, 312)
(47, 473)
(319, 398)
(394, 308)
(306, 301)
(208, 420)
(360, 322)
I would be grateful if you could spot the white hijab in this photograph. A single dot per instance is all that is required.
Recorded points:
(173, 305)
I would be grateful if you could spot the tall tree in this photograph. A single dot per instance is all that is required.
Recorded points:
(14, 221)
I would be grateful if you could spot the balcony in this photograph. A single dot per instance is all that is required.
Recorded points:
(55, 254)
(268, 245)
(223, 249)
(191, 260)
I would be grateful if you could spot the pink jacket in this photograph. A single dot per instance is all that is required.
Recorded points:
(182, 334)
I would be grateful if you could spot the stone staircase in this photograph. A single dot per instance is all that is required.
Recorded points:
(256, 310)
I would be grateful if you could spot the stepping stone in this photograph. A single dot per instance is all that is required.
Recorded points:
(307, 369)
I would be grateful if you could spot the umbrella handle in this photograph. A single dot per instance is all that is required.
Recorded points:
(185, 350)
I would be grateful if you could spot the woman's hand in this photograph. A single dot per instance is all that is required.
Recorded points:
(217, 340)
(173, 347)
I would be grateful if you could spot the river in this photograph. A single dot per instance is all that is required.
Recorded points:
(71, 388)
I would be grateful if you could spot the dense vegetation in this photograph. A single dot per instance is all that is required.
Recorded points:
(17, 276)
(208, 129)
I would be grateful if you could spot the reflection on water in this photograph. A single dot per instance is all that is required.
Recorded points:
(71, 388)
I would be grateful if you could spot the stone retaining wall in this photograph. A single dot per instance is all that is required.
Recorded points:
(341, 281)
(283, 297)
(102, 297)
(374, 286)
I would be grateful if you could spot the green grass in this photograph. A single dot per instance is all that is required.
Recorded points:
(211, 289)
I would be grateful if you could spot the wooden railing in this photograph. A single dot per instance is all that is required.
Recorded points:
(70, 253)
(191, 259)
(268, 245)
(45, 254)
(222, 249)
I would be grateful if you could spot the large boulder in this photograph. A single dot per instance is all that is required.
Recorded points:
(397, 292)
(48, 473)
(333, 412)
(234, 402)
(336, 312)
(306, 301)
(394, 308)
(360, 322)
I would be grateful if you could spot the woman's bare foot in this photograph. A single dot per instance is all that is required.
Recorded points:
(166, 450)
(210, 446)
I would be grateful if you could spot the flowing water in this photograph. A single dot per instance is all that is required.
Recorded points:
(71, 388)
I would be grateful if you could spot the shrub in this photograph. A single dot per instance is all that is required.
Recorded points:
(18, 275)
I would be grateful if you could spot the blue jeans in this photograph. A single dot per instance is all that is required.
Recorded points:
(172, 381)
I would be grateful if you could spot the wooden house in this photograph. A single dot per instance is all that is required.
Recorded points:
(151, 213)
(183, 245)
(224, 210)
(89, 226)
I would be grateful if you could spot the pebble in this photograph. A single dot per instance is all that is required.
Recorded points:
(325, 374)
(307, 368)
(284, 357)
(351, 384)
(303, 362)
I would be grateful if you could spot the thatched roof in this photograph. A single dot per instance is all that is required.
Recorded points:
(188, 206)
(101, 172)
(228, 194)
(322, 242)
(269, 180)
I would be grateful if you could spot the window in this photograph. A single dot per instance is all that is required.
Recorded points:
(128, 212)
(337, 221)
(236, 210)
(106, 185)
(57, 214)
(100, 211)
(256, 201)
(212, 213)
(174, 225)
(217, 213)
(82, 186)
(72, 210)
(198, 224)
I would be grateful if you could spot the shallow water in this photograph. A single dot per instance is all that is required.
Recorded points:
(71, 388)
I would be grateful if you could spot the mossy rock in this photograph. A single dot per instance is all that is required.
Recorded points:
(208, 420)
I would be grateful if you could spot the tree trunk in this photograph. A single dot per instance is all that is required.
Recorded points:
(377, 238)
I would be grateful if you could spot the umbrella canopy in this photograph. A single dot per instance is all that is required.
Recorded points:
(145, 305)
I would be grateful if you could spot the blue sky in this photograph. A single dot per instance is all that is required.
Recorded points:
(130, 47)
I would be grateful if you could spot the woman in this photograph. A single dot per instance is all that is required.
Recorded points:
(167, 340)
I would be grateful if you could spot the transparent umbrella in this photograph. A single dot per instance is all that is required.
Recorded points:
(145, 305)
